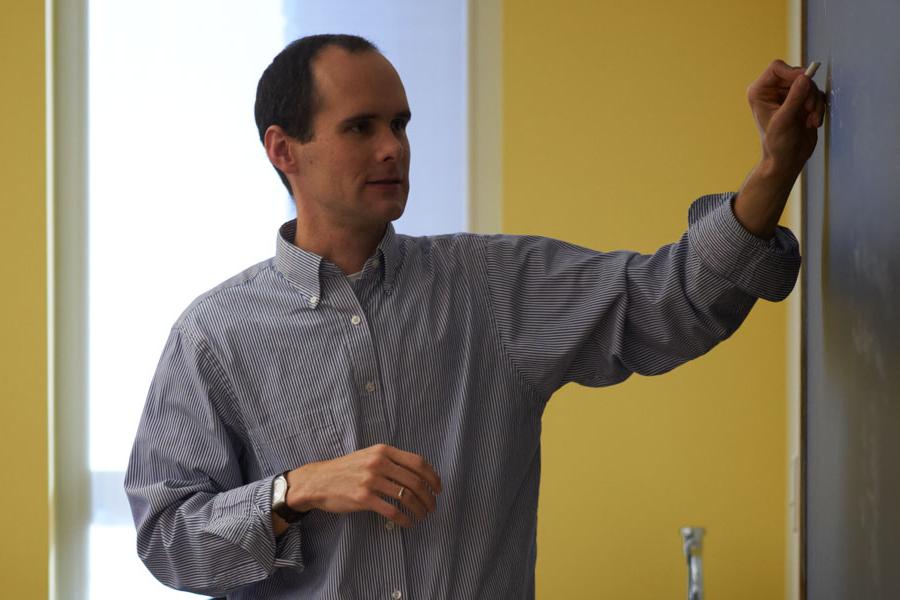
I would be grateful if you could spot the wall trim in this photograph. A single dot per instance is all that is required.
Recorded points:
(67, 151)
(485, 116)
(793, 353)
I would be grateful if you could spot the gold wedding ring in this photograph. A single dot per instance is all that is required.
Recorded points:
(401, 492)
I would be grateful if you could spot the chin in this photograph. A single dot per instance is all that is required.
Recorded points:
(385, 209)
(400, 209)
(394, 210)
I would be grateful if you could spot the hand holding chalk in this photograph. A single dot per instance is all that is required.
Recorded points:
(788, 108)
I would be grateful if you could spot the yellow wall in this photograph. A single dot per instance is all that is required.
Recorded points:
(23, 371)
(615, 116)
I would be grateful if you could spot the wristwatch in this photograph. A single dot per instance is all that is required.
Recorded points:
(279, 500)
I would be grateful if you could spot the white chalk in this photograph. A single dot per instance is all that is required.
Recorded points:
(813, 67)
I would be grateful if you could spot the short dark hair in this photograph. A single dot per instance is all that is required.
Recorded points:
(286, 94)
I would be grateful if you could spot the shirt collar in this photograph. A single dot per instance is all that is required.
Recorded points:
(304, 270)
(390, 250)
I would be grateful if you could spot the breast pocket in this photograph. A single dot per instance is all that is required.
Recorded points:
(307, 434)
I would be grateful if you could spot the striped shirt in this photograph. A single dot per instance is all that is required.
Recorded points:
(446, 346)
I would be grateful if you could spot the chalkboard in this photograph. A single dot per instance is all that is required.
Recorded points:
(851, 306)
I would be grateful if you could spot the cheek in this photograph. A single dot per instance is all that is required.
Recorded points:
(347, 163)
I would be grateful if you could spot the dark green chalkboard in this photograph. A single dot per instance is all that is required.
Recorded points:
(851, 306)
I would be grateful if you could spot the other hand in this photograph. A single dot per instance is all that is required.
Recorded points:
(365, 480)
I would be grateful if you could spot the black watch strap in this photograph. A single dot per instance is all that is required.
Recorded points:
(287, 513)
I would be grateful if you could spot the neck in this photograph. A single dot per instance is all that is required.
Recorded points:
(346, 247)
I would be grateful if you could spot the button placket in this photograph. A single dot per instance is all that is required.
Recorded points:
(396, 560)
(371, 418)
(372, 422)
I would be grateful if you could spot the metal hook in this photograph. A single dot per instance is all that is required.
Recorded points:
(692, 545)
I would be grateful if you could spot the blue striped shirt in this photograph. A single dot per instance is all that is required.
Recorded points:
(448, 347)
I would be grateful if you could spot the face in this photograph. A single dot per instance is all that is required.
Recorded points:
(354, 173)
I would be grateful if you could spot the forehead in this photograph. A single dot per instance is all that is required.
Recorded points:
(348, 82)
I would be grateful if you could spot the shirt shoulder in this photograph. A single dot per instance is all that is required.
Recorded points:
(442, 251)
(233, 300)
(509, 253)
(464, 246)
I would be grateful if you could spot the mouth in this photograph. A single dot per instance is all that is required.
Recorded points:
(386, 182)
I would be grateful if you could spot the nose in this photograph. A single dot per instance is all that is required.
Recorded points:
(391, 145)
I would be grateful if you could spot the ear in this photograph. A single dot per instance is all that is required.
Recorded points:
(280, 150)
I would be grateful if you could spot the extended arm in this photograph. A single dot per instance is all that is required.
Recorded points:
(566, 313)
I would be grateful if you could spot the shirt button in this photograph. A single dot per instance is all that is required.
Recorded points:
(396, 595)
(370, 387)
(355, 319)
(389, 525)
(313, 300)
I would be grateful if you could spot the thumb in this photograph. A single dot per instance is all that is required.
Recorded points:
(796, 97)
(783, 70)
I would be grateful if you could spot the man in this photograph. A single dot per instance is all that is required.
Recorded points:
(359, 417)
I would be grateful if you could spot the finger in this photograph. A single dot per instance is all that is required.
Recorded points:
(392, 489)
(390, 512)
(779, 74)
(772, 88)
(415, 485)
(784, 71)
(417, 465)
(810, 104)
(820, 109)
(814, 96)
(796, 97)
(815, 107)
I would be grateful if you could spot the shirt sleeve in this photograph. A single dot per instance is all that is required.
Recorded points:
(566, 313)
(200, 526)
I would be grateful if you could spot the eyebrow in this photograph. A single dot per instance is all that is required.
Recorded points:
(404, 114)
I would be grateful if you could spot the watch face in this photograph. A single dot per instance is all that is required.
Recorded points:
(279, 487)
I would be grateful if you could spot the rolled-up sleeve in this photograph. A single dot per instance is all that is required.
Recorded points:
(565, 313)
(200, 526)
(765, 269)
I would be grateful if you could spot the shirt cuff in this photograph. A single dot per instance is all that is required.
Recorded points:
(243, 517)
(766, 269)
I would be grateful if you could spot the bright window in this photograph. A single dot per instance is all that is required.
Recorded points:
(181, 195)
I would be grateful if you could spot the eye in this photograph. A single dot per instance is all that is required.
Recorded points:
(360, 127)
(399, 124)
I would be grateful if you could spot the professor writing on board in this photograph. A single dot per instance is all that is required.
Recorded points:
(359, 416)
